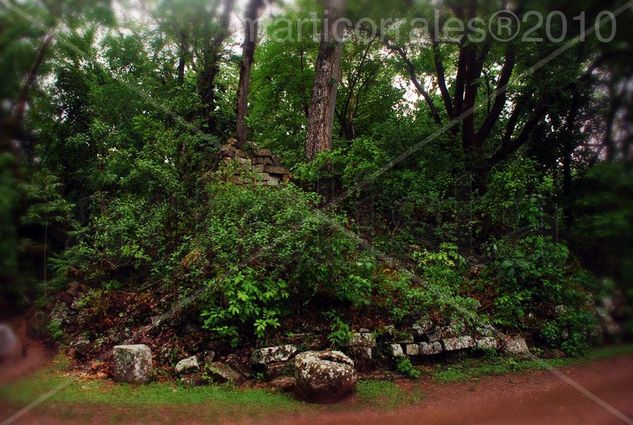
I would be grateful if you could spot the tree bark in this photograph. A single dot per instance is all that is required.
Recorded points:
(327, 77)
(211, 64)
(248, 54)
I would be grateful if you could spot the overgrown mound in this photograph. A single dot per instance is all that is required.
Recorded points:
(259, 266)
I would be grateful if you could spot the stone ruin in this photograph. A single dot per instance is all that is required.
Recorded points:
(253, 167)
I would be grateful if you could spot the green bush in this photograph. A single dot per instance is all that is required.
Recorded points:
(287, 254)
(539, 290)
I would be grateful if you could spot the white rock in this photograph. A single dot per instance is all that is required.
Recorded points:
(324, 376)
(362, 339)
(132, 363)
(487, 343)
(459, 343)
(412, 349)
(515, 346)
(430, 348)
(187, 365)
(264, 356)
(396, 350)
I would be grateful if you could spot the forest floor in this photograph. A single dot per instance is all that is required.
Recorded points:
(474, 391)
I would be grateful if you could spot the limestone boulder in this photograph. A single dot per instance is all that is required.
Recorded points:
(132, 363)
(188, 365)
(324, 376)
(268, 355)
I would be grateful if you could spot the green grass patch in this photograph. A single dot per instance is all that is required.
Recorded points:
(87, 392)
(471, 369)
(386, 394)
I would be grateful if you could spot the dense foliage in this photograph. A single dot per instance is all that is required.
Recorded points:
(111, 178)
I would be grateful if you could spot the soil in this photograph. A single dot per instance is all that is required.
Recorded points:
(535, 397)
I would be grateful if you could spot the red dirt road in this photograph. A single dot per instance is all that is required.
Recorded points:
(535, 398)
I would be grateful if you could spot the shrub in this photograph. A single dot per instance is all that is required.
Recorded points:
(539, 290)
(287, 252)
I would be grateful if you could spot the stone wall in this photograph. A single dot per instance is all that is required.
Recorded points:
(254, 167)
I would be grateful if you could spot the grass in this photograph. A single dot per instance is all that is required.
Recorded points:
(386, 394)
(472, 369)
(86, 397)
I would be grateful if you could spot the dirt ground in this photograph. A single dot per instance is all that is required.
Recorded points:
(535, 397)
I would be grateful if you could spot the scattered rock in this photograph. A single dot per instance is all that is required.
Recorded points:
(222, 373)
(396, 350)
(422, 326)
(187, 365)
(132, 364)
(264, 356)
(324, 376)
(362, 339)
(361, 353)
(515, 346)
(459, 343)
(79, 347)
(430, 348)
(412, 349)
(284, 383)
(434, 335)
(276, 370)
(487, 343)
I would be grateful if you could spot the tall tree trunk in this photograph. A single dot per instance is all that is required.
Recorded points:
(248, 53)
(326, 80)
(211, 64)
(182, 55)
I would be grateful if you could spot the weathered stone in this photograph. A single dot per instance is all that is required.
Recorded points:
(132, 364)
(187, 365)
(263, 153)
(396, 350)
(434, 335)
(275, 170)
(273, 181)
(275, 370)
(222, 373)
(412, 349)
(361, 353)
(264, 356)
(430, 348)
(362, 339)
(515, 346)
(239, 153)
(284, 383)
(8, 341)
(80, 347)
(422, 326)
(459, 343)
(487, 343)
(232, 141)
(324, 376)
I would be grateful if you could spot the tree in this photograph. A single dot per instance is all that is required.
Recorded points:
(326, 80)
(248, 53)
(213, 37)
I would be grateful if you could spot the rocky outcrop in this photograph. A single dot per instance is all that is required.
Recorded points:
(132, 364)
(324, 376)
(187, 365)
